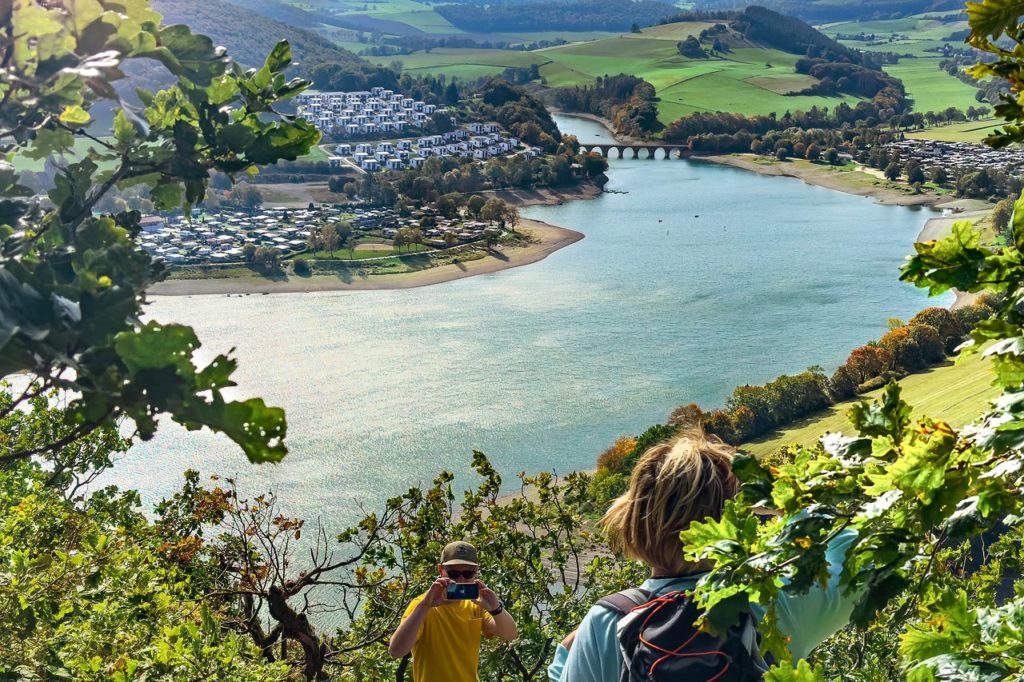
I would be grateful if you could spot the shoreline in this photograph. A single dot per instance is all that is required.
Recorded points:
(549, 238)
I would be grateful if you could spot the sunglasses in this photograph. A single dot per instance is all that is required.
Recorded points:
(458, 575)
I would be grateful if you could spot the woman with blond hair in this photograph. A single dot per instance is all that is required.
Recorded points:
(673, 484)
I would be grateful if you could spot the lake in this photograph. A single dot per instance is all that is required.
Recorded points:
(692, 279)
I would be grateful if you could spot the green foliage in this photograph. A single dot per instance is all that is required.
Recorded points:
(89, 588)
(72, 283)
(911, 492)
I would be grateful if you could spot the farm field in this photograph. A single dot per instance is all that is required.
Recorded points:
(970, 131)
(931, 88)
(954, 393)
(750, 80)
(914, 35)
(464, 63)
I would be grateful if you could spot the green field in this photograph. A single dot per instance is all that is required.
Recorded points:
(931, 88)
(913, 38)
(912, 35)
(954, 393)
(971, 131)
(462, 63)
(750, 80)
(78, 151)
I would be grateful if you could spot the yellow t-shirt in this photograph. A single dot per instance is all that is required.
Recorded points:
(447, 645)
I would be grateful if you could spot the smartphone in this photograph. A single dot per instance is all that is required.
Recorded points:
(463, 590)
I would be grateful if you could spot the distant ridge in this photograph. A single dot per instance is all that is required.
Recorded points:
(249, 35)
(823, 11)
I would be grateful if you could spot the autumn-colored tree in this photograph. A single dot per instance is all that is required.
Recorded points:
(614, 458)
(944, 322)
(867, 362)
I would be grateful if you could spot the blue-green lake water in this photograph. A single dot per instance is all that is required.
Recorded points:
(692, 279)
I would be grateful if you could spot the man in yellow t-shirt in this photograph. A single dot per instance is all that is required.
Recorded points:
(443, 633)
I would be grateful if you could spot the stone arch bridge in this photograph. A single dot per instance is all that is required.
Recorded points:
(639, 150)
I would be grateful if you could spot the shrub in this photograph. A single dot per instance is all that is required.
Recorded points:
(929, 342)
(905, 351)
(943, 320)
(301, 266)
(614, 458)
(607, 485)
(719, 423)
(843, 383)
(872, 384)
(686, 415)
(970, 315)
(743, 422)
(869, 361)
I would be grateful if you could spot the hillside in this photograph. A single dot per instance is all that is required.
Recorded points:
(823, 11)
(749, 78)
(923, 42)
(954, 393)
(249, 36)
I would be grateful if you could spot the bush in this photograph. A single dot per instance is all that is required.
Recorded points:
(607, 485)
(301, 266)
(970, 315)
(719, 423)
(614, 459)
(872, 384)
(869, 361)
(686, 415)
(905, 351)
(743, 422)
(929, 343)
(843, 383)
(944, 322)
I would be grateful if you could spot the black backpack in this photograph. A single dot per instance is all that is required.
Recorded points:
(659, 642)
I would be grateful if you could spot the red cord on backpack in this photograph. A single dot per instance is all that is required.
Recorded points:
(663, 601)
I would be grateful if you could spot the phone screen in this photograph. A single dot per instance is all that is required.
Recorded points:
(463, 591)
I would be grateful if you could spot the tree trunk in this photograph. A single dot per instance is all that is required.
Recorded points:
(296, 626)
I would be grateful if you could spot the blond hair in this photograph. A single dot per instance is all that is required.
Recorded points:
(686, 479)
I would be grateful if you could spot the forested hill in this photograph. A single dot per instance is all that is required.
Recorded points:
(567, 15)
(789, 34)
(249, 36)
(822, 11)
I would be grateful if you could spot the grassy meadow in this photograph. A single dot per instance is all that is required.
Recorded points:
(749, 80)
(970, 131)
(931, 88)
(956, 393)
(914, 35)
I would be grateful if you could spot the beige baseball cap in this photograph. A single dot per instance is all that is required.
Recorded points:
(459, 553)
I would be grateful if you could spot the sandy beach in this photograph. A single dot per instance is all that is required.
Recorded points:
(859, 182)
(546, 239)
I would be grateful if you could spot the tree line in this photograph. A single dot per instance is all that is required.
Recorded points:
(630, 103)
(582, 15)
(752, 411)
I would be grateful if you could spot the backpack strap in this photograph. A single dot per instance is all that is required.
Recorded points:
(625, 601)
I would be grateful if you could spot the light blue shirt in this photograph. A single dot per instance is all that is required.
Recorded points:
(808, 619)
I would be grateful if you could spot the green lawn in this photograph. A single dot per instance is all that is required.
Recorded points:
(360, 254)
(971, 131)
(954, 393)
(931, 88)
(317, 153)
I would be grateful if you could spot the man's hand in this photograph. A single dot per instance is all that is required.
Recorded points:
(438, 592)
(487, 599)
